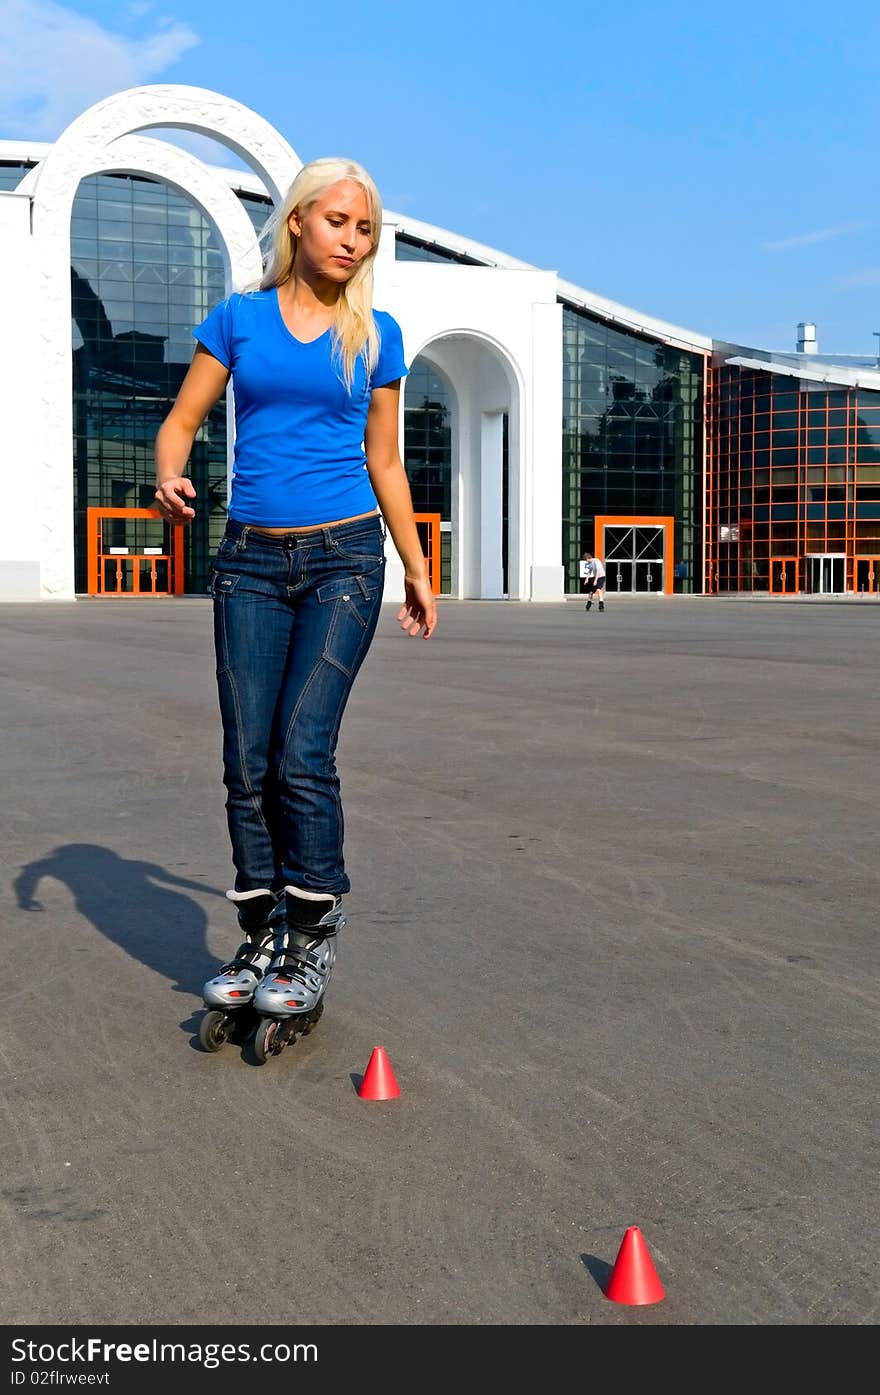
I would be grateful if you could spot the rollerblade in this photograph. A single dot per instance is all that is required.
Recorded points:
(290, 996)
(229, 995)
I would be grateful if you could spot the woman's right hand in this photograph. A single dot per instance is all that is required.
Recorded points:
(171, 497)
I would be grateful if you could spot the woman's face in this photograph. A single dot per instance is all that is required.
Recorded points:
(335, 233)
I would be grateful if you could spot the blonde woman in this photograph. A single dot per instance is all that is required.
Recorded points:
(297, 579)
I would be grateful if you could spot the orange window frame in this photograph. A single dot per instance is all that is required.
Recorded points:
(639, 520)
(873, 562)
(95, 555)
(432, 556)
(784, 563)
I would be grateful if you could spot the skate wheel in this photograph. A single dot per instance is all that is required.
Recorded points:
(314, 1017)
(265, 1041)
(213, 1031)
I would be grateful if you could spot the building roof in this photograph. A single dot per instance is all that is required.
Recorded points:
(844, 370)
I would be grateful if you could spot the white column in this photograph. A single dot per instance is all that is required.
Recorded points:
(491, 476)
(545, 455)
(83, 149)
(20, 377)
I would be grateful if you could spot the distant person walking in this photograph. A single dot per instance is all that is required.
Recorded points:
(593, 571)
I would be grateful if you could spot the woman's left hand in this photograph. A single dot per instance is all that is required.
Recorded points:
(419, 609)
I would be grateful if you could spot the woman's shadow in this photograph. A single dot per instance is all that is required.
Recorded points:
(138, 905)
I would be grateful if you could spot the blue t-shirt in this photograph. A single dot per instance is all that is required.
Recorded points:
(299, 433)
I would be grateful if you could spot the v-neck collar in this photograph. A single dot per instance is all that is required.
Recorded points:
(303, 343)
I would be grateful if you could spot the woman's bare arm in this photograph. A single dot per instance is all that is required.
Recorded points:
(203, 386)
(391, 488)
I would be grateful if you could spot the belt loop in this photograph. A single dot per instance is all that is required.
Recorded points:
(328, 538)
(241, 545)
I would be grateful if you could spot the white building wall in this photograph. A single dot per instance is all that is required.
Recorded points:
(481, 390)
(544, 543)
(491, 505)
(20, 404)
(497, 334)
(494, 332)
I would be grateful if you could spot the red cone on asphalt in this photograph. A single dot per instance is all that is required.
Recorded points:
(379, 1082)
(634, 1278)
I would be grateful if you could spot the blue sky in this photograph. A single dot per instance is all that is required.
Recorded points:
(712, 165)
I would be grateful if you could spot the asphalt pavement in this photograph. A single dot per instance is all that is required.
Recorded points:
(613, 919)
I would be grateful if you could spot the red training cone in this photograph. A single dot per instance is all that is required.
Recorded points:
(379, 1082)
(634, 1278)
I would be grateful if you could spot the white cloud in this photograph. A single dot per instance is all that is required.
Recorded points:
(806, 239)
(54, 63)
(859, 279)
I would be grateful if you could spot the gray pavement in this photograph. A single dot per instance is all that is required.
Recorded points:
(614, 920)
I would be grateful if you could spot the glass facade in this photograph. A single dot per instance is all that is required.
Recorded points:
(11, 173)
(793, 476)
(146, 267)
(796, 477)
(412, 249)
(427, 454)
(632, 435)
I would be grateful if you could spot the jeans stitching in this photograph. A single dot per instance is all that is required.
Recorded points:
(360, 583)
(344, 556)
(325, 654)
(219, 598)
(317, 565)
(366, 637)
(226, 672)
(293, 716)
(337, 793)
(331, 776)
(248, 783)
(349, 674)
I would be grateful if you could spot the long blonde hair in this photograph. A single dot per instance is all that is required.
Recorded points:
(354, 330)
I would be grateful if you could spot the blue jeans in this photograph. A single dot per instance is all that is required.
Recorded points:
(294, 615)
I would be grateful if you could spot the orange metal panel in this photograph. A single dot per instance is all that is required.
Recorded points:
(175, 569)
(784, 570)
(92, 551)
(639, 520)
(95, 556)
(872, 572)
(709, 473)
(432, 553)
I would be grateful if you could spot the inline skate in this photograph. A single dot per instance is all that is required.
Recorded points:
(290, 995)
(229, 995)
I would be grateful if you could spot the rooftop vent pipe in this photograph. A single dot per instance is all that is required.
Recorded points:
(806, 343)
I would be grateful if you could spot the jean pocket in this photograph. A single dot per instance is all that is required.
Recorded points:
(352, 587)
(355, 608)
(247, 582)
(221, 585)
(364, 550)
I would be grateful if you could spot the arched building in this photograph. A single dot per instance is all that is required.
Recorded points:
(539, 419)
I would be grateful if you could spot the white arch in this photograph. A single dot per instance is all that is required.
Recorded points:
(81, 151)
(197, 109)
(138, 155)
(479, 397)
(507, 360)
